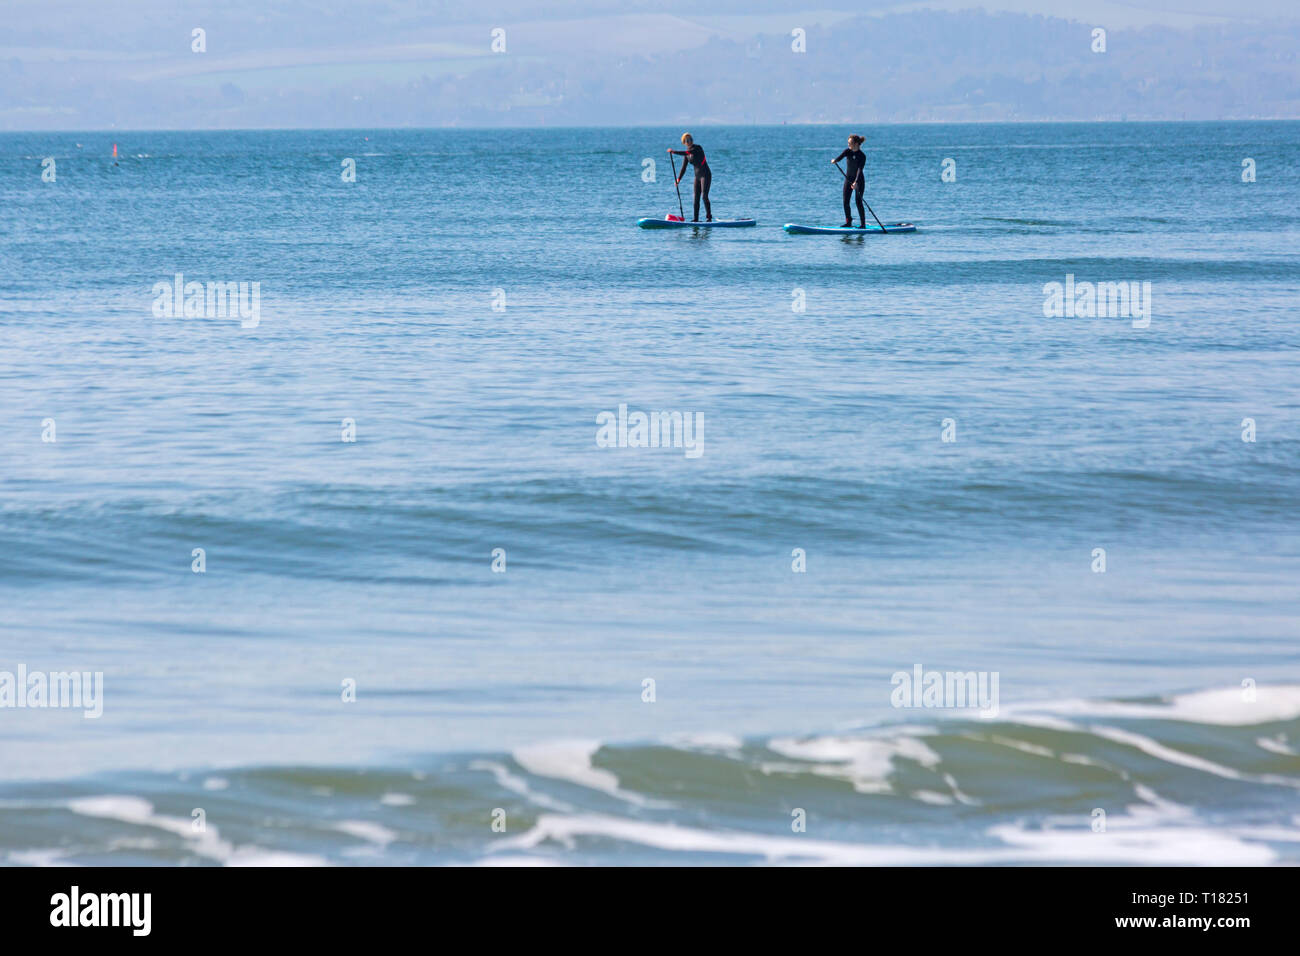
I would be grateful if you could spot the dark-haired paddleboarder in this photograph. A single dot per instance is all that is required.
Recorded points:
(855, 179)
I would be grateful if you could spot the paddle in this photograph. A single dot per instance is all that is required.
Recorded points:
(676, 184)
(864, 202)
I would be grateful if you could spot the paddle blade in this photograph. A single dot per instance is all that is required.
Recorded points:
(672, 218)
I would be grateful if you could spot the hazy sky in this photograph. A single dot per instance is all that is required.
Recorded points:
(130, 63)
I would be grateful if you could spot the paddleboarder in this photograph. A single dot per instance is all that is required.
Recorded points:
(694, 154)
(855, 180)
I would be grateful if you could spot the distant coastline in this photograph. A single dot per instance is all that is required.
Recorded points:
(643, 126)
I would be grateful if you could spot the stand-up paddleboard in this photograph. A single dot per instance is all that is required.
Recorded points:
(795, 229)
(683, 224)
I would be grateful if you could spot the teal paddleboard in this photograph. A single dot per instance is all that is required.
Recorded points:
(890, 227)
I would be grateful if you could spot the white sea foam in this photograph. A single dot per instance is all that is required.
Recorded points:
(1169, 845)
(46, 857)
(1041, 721)
(1154, 748)
(951, 781)
(1227, 706)
(255, 856)
(206, 842)
(517, 861)
(708, 742)
(517, 784)
(366, 830)
(1022, 745)
(865, 762)
(1275, 745)
(934, 798)
(570, 760)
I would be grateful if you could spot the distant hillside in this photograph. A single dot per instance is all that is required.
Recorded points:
(898, 67)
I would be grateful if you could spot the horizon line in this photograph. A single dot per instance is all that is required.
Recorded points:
(673, 125)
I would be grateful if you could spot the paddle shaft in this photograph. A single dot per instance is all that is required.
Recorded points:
(677, 185)
(864, 202)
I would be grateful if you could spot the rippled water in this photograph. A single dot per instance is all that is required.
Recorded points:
(371, 561)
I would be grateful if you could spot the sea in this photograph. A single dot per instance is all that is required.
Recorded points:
(332, 531)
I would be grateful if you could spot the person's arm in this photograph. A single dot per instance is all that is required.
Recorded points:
(840, 156)
(677, 177)
(685, 163)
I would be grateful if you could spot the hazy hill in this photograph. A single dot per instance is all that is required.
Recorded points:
(399, 63)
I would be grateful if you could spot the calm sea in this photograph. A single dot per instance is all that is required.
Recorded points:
(474, 634)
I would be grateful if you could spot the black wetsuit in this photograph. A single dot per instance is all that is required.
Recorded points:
(703, 177)
(855, 175)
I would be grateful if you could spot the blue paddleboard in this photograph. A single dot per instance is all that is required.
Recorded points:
(676, 224)
(890, 227)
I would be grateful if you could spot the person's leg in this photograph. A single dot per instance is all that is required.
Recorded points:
(696, 217)
(862, 210)
(708, 209)
(848, 216)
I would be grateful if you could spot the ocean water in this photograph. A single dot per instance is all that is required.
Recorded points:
(472, 303)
